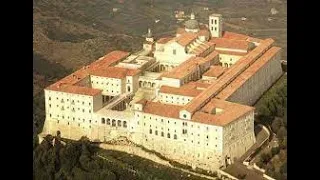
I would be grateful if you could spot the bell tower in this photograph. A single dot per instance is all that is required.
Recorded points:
(149, 37)
(215, 25)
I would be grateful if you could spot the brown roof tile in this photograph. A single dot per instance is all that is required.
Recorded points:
(230, 43)
(227, 77)
(232, 35)
(230, 112)
(103, 62)
(215, 71)
(156, 108)
(182, 91)
(186, 38)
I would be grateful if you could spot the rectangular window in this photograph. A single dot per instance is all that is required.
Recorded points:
(211, 21)
(215, 21)
(184, 131)
(174, 52)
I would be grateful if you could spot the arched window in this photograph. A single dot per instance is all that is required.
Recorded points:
(108, 121)
(168, 135)
(103, 121)
(175, 136)
(156, 132)
(150, 131)
(162, 134)
(125, 124)
(113, 122)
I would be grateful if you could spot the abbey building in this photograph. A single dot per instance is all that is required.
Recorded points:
(187, 96)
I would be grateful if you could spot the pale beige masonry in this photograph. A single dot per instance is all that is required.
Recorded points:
(186, 96)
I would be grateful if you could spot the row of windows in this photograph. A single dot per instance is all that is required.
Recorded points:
(183, 123)
(73, 109)
(177, 98)
(113, 122)
(215, 21)
(220, 58)
(111, 91)
(69, 124)
(183, 103)
(144, 117)
(68, 117)
(214, 28)
(72, 102)
(106, 83)
(162, 134)
(105, 78)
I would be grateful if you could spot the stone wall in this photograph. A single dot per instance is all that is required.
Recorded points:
(260, 82)
(136, 151)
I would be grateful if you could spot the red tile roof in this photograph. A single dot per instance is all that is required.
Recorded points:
(243, 63)
(182, 91)
(230, 43)
(156, 108)
(215, 71)
(71, 80)
(235, 36)
(207, 46)
(189, 66)
(186, 38)
(230, 112)
(115, 72)
(76, 90)
(198, 84)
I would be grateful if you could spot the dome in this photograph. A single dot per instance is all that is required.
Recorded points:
(191, 24)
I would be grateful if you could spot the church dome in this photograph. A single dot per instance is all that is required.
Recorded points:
(191, 24)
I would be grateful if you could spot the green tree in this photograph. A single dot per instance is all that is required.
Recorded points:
(282, 133)
(283, 168)
(276, 124)
(275, 150)
(265, 157)
(285, 117)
